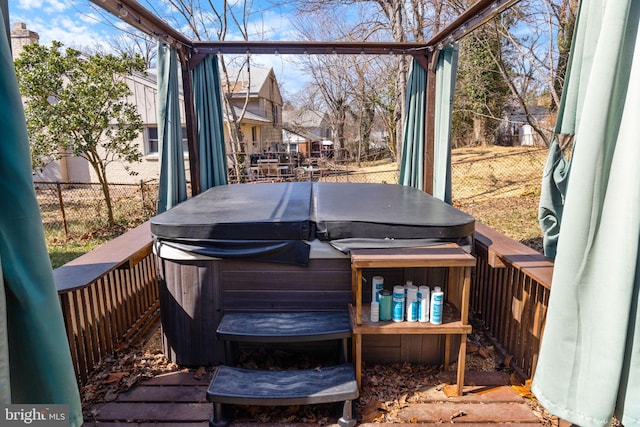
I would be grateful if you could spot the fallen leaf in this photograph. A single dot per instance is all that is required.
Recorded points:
(507, 361)
(450, 390)
(457, 415)
(524, 390)
(200, 373)
(402, 402)
(115, 377)
(485, 352)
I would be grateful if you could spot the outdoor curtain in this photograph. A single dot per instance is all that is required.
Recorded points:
(35, 346)
(172, 188)
(446, 69)
(589, 364)
(413, 144)
(207, 95)
(413, 149)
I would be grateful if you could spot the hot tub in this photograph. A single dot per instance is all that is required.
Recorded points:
(284, 247)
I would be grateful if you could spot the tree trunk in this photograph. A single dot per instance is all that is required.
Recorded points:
(479, 138)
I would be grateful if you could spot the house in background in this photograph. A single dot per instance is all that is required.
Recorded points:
(310, 130)
(514, 130)
(261, 125)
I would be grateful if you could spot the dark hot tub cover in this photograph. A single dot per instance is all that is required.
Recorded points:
(270, 211)
(272, 222)
(384, 211)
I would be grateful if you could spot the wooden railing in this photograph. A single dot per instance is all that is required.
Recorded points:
(510, 295)
(109, 297)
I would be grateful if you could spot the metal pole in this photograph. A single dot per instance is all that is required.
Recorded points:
(64, 217)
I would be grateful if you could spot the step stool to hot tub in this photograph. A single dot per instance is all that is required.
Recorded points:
(238, 386)
(329, 384)
(286, 327)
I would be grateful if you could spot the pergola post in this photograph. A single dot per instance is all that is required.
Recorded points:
(430, 122)
(189, 113)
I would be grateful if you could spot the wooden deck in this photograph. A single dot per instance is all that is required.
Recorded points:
(179, 399)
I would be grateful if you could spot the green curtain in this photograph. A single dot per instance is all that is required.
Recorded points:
(413, 143)
(413, 147)
(446, 69)
(41, 370)
(558, 166)
(172, 187)
(589, 364)
(208, 110)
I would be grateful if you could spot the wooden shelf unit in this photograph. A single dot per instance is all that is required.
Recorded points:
(451, 256)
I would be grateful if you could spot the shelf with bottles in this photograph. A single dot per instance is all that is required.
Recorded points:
(451, 324)
(458, 265)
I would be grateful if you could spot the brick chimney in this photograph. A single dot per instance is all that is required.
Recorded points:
(21, 36)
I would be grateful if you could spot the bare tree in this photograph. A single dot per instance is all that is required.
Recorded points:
(136, 43)
(331, 74)
(396, 20)
(207, 20)
(533, 63)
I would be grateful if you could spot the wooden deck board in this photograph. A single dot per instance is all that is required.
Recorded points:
(457, 412)
(153, 412)
(170, 393)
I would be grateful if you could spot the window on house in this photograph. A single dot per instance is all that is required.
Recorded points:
(275, 112)
(151, 140)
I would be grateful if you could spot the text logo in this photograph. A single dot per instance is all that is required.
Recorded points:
(34, 415)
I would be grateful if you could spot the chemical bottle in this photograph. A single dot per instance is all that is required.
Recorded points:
(412, 303)
(375, 311)
(437, 302)
(377, 285)
(424, 301)
(398, 303)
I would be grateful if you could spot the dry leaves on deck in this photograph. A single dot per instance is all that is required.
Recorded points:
(118, 373)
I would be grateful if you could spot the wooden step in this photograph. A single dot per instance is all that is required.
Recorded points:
(284, 327)
(238, 386)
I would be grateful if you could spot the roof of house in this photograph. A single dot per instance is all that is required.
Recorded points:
(298, 134)
(240, 79)
(249, 117)
(306, 119)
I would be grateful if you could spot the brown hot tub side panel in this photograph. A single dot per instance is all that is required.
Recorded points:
(195, 294)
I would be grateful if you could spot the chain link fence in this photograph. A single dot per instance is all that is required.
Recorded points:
(77, 210)
(480, 176)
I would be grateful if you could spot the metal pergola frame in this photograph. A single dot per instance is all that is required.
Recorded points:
(191, 52)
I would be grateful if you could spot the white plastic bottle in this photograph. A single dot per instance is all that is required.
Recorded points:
(424, 301)
(375, 311)
(397, 306)
(377, 285)
(437, 302)
(412, 303)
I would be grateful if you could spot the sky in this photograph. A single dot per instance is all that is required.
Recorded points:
(79, 24)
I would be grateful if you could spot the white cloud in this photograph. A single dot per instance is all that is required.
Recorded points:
(29, 4)
(56, 6)
(270, 25)
(72, 30)
(44, 5)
